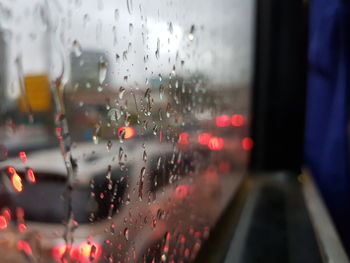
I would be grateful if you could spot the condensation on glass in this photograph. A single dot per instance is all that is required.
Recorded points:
(123, 126)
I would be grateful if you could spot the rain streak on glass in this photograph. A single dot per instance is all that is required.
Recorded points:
(129, 5)
(77, 48)
(102, 73)
(158, 49)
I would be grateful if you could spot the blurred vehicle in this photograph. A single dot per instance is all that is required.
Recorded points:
(222, 138)
(110, 176)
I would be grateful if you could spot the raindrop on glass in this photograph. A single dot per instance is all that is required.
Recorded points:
(159, 162)
(120, 154)
(191, 34)
(144, 156)
(125, 55)
(102, 71)
(92, 253)
(121, 92)
(171, 30)
(168, 109)
(126, 233)
(131, 28)
(160, 114)
(116, 14)
(161, 91)
(129, 47)
(77, 48)
(109, 145)
(158, 49)
(86, 19)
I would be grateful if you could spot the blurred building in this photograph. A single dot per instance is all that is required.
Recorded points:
(86, 67)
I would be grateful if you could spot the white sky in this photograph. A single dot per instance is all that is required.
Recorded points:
(221, 48)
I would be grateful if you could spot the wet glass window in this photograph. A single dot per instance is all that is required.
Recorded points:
(123, 126)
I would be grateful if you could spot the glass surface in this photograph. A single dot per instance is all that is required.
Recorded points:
(123, 126)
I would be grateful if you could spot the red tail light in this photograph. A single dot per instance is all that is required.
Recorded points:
(25, 247)
(16, 180)
(216, 143)
(181, 192)
(85, 252)
(223, 121)
(31, 176)
(204, 138)
(58, 252)
(237, 120)
(183, 138)
(247, 143)
(6, 213)
(126, 132)
(3, 222)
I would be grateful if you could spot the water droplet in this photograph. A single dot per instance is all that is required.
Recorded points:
(159, 162)
(114, 114)
(160, 114)
(86, 20)
(161, 91)
(102, 71)
(109, 145)
(129, 6)
(168, 109)
(147, 93)
(126, 233)
(125, 55)
(127, 201)
(116, 14)
(129, 47)
(77, 48)
(143, 172)
(171, 30)
(191, 34)
(96, 134)
(154, 222)
(120, 154)
(121, 93)
(131, 28)
(112, 228)
(144, 156)
(121, 135)
(158, 49)
(142, 177)
(93, 253)
(155, 129)
(115, 39)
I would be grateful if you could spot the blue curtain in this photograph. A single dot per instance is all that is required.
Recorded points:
(326, 138)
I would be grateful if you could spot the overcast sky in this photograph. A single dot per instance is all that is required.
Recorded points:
(220, 46)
